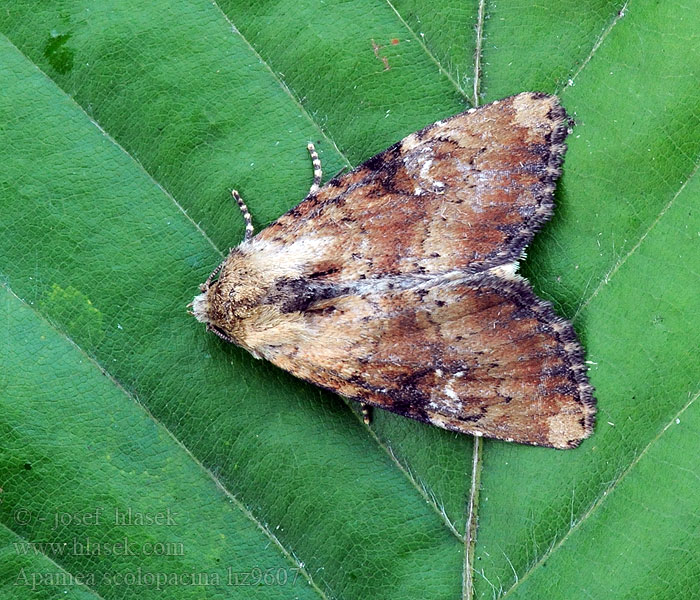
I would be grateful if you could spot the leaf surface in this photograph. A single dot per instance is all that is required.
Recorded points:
(123, 126)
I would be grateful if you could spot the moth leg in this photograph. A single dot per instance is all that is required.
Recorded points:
(366, 413)
(318, 173)
(246, 215)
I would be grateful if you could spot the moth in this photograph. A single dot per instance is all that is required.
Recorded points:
(396, 284)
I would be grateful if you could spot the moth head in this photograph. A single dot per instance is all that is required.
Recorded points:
(200, 307)
(203, 311)
(231, 303)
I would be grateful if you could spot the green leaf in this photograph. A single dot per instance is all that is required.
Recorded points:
(123, 126)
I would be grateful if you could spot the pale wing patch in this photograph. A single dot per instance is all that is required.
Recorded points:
(285, 260)
(506, 271)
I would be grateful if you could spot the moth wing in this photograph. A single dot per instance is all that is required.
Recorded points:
(482, 356)
(466, 193)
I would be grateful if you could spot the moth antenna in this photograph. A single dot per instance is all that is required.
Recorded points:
(318, 173)
(205, 286)
(246, 215)
(221, 334)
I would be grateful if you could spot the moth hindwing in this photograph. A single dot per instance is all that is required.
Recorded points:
(396, 285)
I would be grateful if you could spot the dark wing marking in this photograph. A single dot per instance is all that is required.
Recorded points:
(467, 193)
(480, 355)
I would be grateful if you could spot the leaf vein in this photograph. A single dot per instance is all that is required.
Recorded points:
(595, 505)
(288, 554)
(112, 140)
(478, 51)
(425, 494)
(283, 85)
(599, 42)
(423, 45)
(78, 580)
(616, 267)
(470, 532)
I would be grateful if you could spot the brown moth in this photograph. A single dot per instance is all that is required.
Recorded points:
(396, 285)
